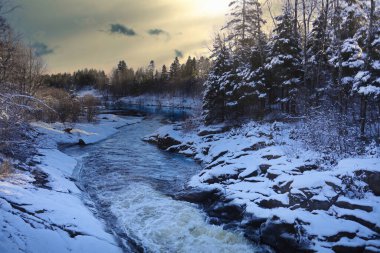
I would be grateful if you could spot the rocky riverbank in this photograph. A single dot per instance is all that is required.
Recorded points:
(41, 207)
(259, 179)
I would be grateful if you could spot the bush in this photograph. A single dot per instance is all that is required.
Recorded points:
(6, 168)
(330, 132)
(90, 106)
(61, 106)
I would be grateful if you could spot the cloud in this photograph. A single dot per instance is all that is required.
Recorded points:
(41, 49)
(122, 29)
(157, 32)
(178, 53)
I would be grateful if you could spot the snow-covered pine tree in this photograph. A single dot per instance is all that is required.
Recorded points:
(353, 17)
(346, 52)
(248, 40)
(352, 61)
(367, 81)
(317, 46)
(284, 66)
(218, 85)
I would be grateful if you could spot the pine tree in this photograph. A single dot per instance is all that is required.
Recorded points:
(353, 17)
(175, 69)
(318, 43)
(367, 81)
(284, 65)
(249, 56)
(218, 84)
(150, 70)
(164, 73)
(122, 66)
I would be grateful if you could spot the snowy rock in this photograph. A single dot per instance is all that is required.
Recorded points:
(283, 194)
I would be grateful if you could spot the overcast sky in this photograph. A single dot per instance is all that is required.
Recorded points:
(73, 34)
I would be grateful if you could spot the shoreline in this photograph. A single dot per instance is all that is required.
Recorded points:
(278, 192)
(41, 207)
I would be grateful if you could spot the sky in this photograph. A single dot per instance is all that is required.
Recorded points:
(76, 34)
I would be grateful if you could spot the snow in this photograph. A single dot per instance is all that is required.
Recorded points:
(89, 91)
(251, 163)
(53, 217)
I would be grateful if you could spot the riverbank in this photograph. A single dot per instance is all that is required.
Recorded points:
(163, 101)
(41, 208)
(278, 191)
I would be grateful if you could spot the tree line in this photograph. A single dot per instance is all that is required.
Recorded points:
(321, 56)
(179, 79)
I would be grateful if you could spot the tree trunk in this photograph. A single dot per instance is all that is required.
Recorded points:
(295, 19)
(363, 114)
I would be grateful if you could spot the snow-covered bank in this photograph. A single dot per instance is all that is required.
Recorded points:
(163, 101)
(280, 192)
(41, 208)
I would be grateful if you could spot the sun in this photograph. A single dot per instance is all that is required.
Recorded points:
(211, 7)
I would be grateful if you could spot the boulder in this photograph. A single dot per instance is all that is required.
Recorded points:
(226, 211)
(199, 196)
(166, 142)
(283, 237)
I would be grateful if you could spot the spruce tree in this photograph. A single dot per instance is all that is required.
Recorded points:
(284, 65)
(164, 73)
(218, 84)
(175, 69)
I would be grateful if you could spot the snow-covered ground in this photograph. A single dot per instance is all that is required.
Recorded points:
(163, 101)
(288, 194)
(41, 208)
(89, 91)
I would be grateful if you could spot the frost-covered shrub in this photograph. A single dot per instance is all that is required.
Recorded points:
(330, 132)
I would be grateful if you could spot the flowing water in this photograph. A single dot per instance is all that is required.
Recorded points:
(130, 182)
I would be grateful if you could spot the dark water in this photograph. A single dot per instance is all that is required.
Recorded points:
(130, 181)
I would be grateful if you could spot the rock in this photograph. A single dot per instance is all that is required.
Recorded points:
(283, 187)
(215, 130)
(363, 222)
(219, 156)
(373, 181)
(199, 196)
(81, 142)
(228, 212)
(271, 157)
(222, 178)
(68, 130)
(298, 200)
(283, 237)
(340, 235)
(271, 203)
(252, 174)
(272, 176)
(308, 167)
(166, 142)
(264, 168)
(347, 248)
(315, 204)
(350, 206)
(252, 228)
(256, 146)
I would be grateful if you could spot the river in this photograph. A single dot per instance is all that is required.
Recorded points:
(130, 183)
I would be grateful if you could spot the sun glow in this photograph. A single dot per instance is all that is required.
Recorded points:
(210, 7)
